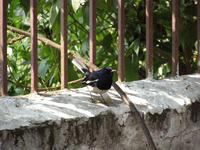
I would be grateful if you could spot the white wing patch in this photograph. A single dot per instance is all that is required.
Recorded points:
(93, 81)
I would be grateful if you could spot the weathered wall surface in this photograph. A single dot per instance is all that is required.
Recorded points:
(68, 120)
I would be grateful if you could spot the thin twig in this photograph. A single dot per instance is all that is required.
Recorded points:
(47, 88)
(18, 38)
(58, 87)
(80, 25)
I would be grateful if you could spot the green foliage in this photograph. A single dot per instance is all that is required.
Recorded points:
(107, 51)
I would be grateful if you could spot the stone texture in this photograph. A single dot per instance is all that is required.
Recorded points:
(68, 120)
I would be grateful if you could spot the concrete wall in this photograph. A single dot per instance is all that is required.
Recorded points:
(63, 120)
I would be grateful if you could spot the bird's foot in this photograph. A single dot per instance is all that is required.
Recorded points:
(105, 99)
(95, 99)
(100, 100)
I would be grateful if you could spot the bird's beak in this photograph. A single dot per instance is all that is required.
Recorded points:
(114, 71)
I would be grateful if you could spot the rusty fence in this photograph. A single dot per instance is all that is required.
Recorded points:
(92, 41)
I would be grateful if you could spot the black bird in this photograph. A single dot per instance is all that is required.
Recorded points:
(100, 80)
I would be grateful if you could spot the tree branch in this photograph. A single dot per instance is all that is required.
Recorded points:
(41, 38)
(48, 42)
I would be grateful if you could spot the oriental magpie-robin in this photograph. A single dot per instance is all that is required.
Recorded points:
(100, 81)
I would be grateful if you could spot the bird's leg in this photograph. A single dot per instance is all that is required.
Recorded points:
(104, 101)
(91, 95)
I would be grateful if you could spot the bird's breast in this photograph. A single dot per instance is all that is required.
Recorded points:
(98, 91)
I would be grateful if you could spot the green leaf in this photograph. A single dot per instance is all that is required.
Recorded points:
(107, 41)
(43, 68)
(84, 47)
(18, 91)
(85, 13)
(72, 73)
(77, 3)
(111, 4)
(54, 12)
(26, 5)
(131, 69)
(134, 47)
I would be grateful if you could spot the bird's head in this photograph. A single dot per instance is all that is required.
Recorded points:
(109, 70)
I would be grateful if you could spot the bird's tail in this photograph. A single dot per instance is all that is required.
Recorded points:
(81, 66)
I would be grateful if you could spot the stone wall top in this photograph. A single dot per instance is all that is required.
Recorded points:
(150, 96)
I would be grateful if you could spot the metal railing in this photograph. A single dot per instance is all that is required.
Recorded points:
(92, 41)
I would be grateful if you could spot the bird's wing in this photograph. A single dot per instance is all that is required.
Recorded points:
(91, 78)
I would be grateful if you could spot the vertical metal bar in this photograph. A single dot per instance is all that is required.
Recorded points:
(198, 35)
(33, 13)
(64, 55)
(121, 30)
(149, 38)
(92, 32)
(3, 47)
(175, 37)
